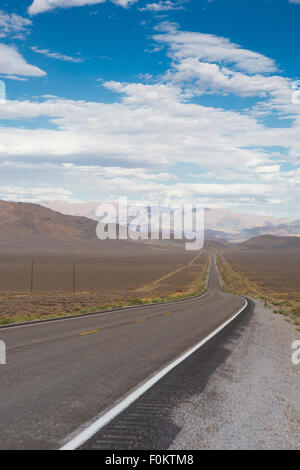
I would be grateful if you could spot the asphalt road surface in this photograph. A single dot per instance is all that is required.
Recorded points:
(60, 375)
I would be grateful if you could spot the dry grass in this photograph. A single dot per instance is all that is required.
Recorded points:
(189, 281)
(186, 280)
(265, 278)
(154, 284)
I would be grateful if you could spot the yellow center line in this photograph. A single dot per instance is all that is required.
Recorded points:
(89, 332)
(141, 319)
(168, 313)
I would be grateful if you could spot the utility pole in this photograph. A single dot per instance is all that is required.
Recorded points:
(32, 276)
(74, 278)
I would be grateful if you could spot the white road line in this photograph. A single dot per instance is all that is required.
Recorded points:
(104, 419)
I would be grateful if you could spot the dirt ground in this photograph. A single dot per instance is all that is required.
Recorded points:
(269, 275)
(100, 281)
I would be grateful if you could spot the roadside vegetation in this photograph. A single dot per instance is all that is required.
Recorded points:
(195, 288)
(236, 281)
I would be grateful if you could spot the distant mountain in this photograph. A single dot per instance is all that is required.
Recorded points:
(286, 229)
(84, 209)
(270, 242)
(219, 223)
(216, 244)
(31, 226)
(235, 223)
(21, 220)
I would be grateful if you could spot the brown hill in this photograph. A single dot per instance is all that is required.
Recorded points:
(270, 242)
(21, 220)
(215, 244)
(31, 227)
(26, 226)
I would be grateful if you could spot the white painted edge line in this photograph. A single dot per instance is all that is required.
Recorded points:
(103, 420)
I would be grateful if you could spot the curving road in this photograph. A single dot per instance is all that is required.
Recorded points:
(60, 375)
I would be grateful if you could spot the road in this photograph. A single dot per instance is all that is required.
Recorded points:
(62, 374)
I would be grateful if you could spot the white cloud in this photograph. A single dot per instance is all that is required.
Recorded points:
(26, 194)
(14, 77)
(164, 5)
(208, 77)
(154, 141)
(175, 131)
(132, 147)
(212, 49)
(268, 169)
(205, 63)
(12, 63)
(40, 6)
(12, 24)
(56, 55)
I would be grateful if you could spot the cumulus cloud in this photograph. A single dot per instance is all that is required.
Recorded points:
(212, 49)
(175, 130)
(41, 6)
(208, 77)
(12, 63)
(132, 147)
(205, 63)
(154, 137)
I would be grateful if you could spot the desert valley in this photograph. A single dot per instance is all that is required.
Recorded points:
(52, 264)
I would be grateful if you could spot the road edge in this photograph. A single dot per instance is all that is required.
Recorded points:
(86, 432)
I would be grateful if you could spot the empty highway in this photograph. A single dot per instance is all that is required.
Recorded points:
(60, 375)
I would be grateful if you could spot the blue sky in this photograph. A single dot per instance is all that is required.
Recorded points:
(159, 100)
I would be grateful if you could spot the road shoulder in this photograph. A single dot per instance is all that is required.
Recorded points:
(251, 401)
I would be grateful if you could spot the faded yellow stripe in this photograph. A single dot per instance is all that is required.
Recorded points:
(89, 332)
(141, 319)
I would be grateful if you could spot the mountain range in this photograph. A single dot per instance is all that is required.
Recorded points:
(32, 227)
(27, 226)
(270, 242)
(221, 224)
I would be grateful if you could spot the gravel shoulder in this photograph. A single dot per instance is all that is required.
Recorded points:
(252, 400)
